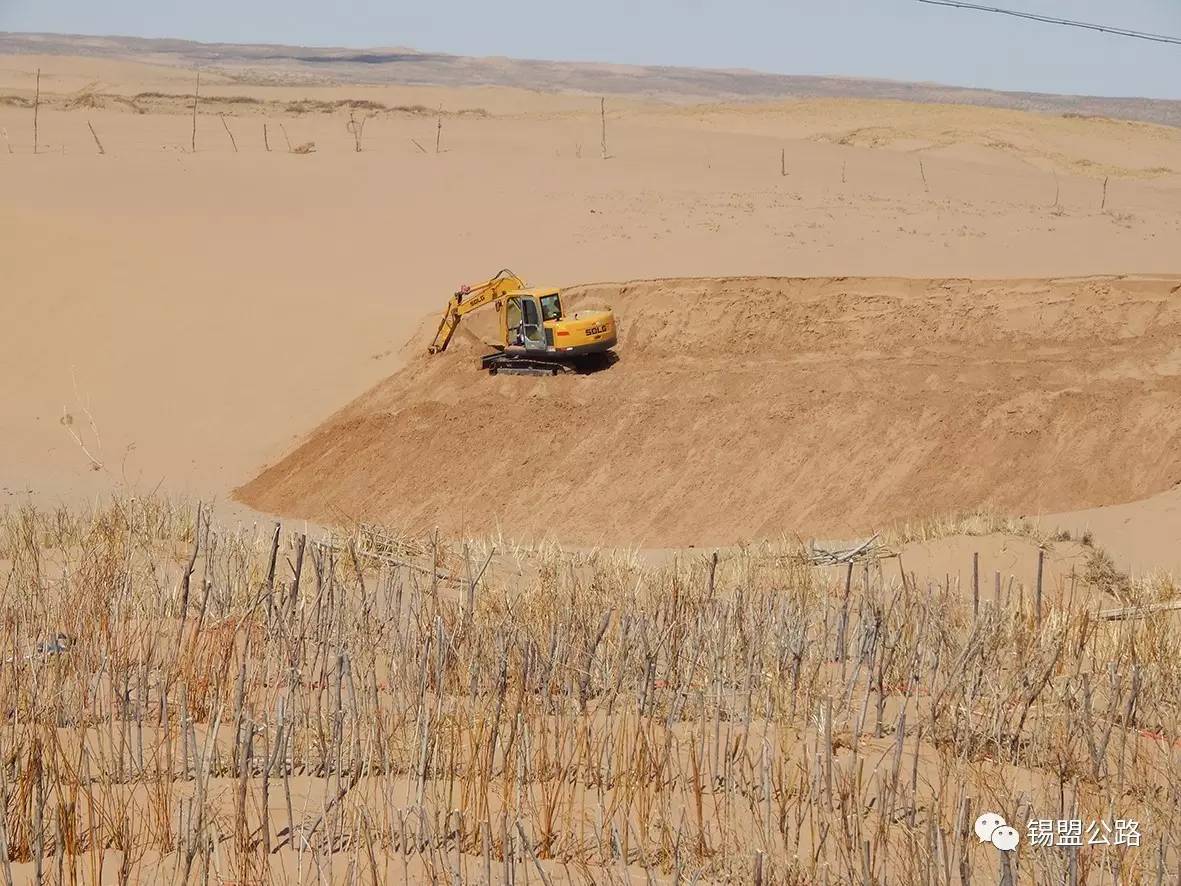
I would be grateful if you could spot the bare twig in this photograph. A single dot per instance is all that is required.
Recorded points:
(357, 129)
(101, 150)
(222, 117)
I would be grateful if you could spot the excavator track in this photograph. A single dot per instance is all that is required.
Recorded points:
(510, 364)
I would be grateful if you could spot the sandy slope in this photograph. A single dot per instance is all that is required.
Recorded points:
(742, 408)
(209, 309)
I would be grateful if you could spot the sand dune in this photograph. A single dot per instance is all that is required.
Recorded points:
(191, 317)
(742, 408)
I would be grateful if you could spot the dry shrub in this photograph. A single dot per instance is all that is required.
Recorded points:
(84, 100)
(425, 710)
(1101, 573)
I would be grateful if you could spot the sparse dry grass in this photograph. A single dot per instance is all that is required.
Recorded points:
(166, 102)
(981, 522)
(257, 706)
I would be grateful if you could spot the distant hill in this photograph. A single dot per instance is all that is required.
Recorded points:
(277, 64)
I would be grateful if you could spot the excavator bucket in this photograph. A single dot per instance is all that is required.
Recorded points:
(446, 328)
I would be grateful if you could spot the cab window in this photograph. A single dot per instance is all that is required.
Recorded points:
(551, 307)
(513, 314)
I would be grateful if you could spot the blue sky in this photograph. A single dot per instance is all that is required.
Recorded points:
(897, 39)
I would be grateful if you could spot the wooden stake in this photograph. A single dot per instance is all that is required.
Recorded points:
(439, 132)
(1103, 205)
(5, 854)
(963, 840)
(975, 587)
(1006, 875)
(844, 166)
(828, 750)
(36, 111)
(1140, 611)
(783, 161)
(95, 134)
(923, 173)
(38, 840)
(266, 140)
(1037, 603)
(230, 134)
(285, 138)
(196, 100)
(603, 118)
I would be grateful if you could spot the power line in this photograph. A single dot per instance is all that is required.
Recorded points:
(1048, 19)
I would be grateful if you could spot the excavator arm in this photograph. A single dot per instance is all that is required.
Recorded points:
(472, 298)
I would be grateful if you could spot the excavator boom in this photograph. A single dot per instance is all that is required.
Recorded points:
(471, 298)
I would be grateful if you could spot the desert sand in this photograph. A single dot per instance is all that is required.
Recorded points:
(947, 329)
(191, 317)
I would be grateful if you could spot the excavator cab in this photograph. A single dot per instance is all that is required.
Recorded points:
(523, 323)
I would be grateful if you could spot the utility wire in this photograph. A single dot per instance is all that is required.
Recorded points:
(1106, 29)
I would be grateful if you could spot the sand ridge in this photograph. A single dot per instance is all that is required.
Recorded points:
(742, 408)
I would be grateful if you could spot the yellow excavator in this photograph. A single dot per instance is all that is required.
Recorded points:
(539, 337)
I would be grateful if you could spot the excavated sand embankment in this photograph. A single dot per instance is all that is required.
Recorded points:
(743, 408)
